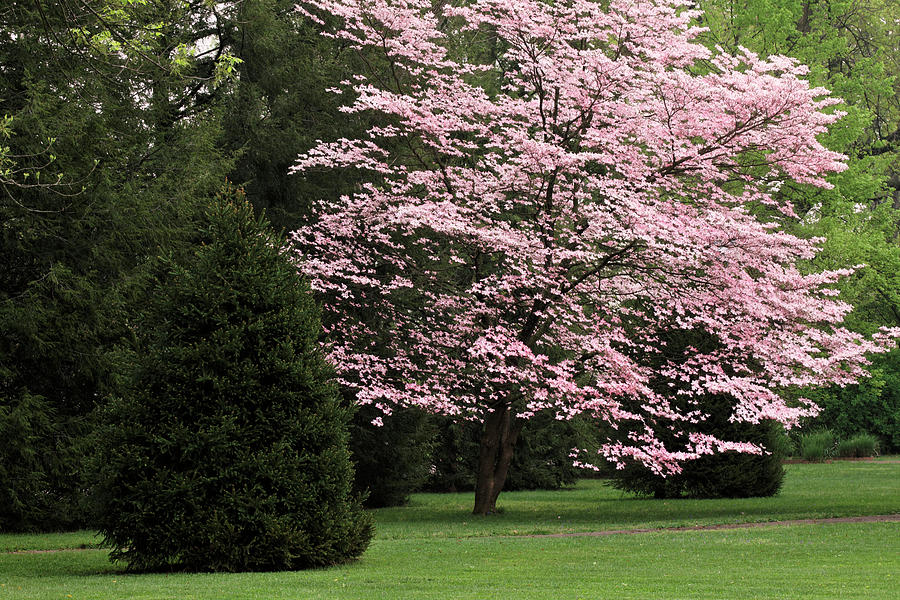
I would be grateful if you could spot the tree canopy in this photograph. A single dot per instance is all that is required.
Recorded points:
(551, 185)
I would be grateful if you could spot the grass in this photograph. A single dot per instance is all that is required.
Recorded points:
(436, 549)
(839, 489)
(858, 446)
(885, 458)
(48, 541)
(820, 561)
(817, 445)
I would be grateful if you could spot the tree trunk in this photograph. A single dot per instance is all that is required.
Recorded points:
(498, 439)
(803, 25)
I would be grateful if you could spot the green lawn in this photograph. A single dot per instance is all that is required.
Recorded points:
(435, 549)
(838, 489)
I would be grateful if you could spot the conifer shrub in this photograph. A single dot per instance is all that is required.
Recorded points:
(226, 446)
(543, 458)
(391, 460)
(720, 475)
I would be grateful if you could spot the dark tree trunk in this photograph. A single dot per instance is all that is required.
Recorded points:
(498, 439)
(803, 25)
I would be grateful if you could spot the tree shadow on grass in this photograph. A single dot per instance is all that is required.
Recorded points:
(58, 563)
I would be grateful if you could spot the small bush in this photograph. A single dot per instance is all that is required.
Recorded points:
(718, 475)
(817, 446)
(858, 446)
(721, 475)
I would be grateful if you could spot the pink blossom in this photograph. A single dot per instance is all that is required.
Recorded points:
(539, 211)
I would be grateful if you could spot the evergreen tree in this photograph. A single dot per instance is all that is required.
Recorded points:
(393, 458)
(227, 447)
(107, 148)
(276, 108)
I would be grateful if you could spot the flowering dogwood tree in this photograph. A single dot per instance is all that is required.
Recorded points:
(553, 184)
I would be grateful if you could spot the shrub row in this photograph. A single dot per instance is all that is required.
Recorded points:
(822, 444)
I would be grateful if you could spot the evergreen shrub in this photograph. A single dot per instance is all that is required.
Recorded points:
(226, 446)
(392, 460)
(721, 475)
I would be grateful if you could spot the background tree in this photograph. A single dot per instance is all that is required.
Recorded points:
(393, 458)
(108, 141)
(542, 457)
(276, 107)
(534, 214)
(122, 118)
(227, 450)
(851, 47)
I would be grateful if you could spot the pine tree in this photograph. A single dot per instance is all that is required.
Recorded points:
(227, 447)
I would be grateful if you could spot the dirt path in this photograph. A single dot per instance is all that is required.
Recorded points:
(51, 551)
(863, 519)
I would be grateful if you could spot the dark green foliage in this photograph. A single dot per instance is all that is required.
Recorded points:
(542, 457)
(719, 475)
(91, 183)
(49, 366)
(455, 456)
(392, 460)
(859, 446)
(226, 449)
(540, 461)
(278, 108)
(724, 475)
(32, 466)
